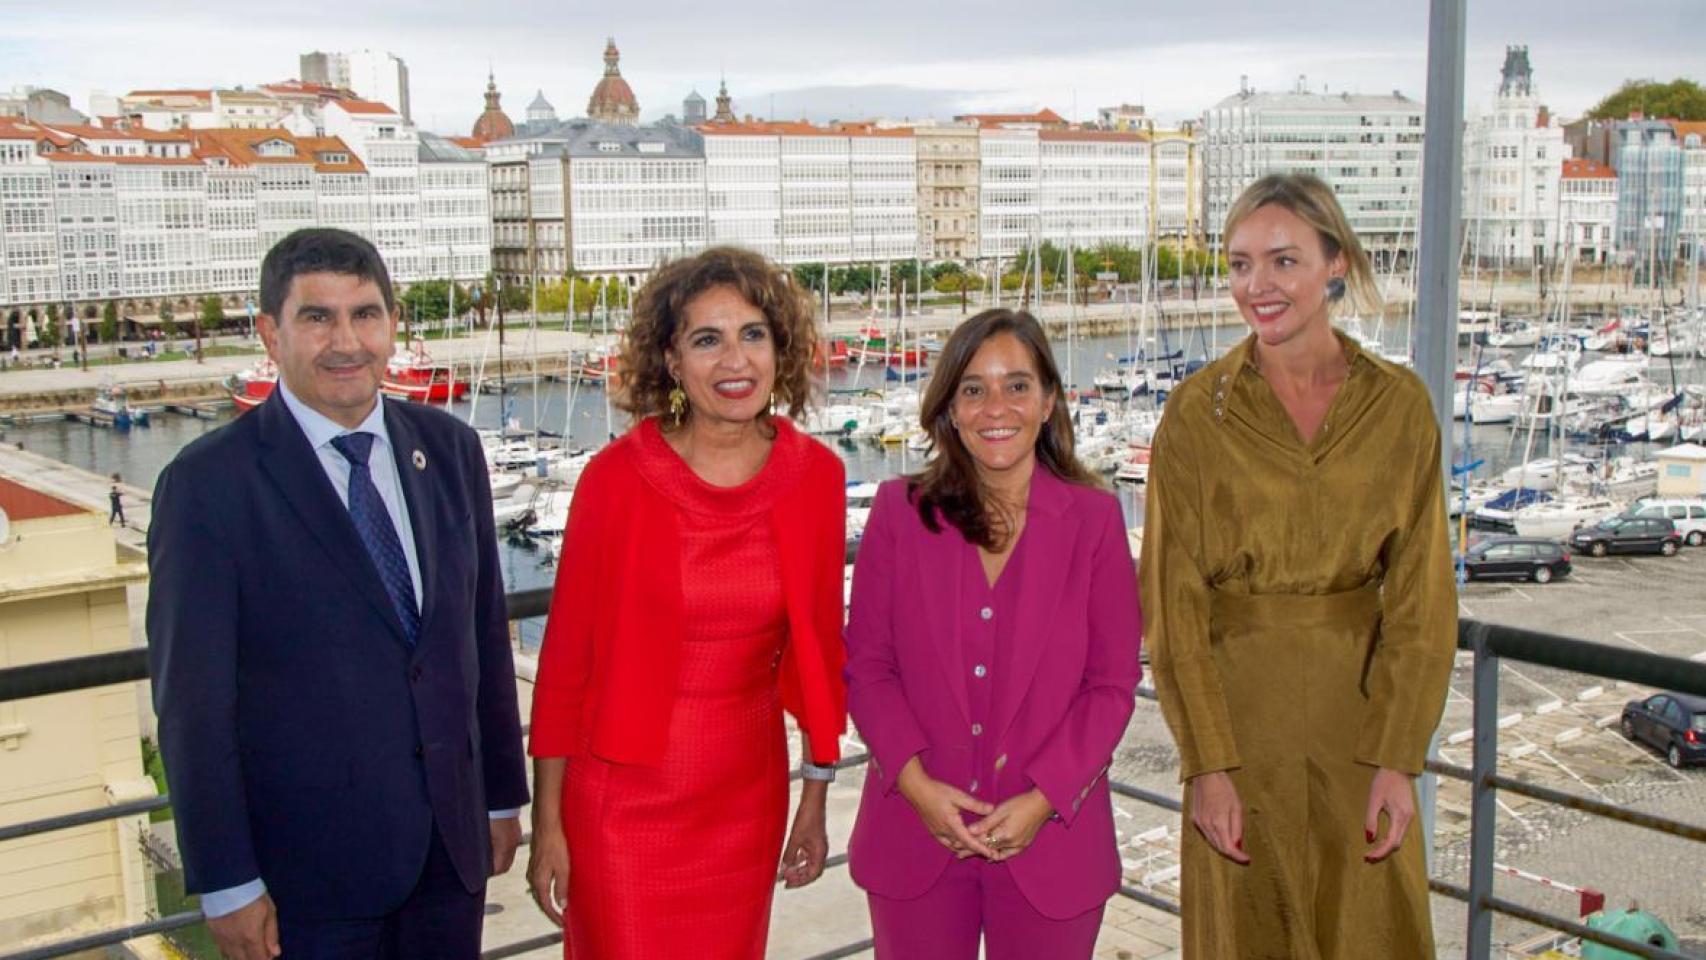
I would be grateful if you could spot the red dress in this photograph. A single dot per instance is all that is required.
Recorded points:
(681, 857)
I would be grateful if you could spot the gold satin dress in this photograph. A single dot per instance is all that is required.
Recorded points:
(1300, 611)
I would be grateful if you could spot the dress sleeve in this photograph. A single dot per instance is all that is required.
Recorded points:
(566, 653)
(1411, 666)
(1176, 608)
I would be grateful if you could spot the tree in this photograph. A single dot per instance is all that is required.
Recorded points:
(51, 334)
(168, 320)
(1680, 99)
(109, 322)
(426, 300)
(212, 317)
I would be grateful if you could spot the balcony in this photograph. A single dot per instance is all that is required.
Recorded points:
(827, 920)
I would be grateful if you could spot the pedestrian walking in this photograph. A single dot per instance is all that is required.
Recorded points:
(116, 499)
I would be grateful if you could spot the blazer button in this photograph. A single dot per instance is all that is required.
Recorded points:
(977, 729)
(987, 613)
(979, 671)
(420, 751)
(415, 673)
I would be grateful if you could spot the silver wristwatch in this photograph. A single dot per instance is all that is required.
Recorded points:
(811, 771)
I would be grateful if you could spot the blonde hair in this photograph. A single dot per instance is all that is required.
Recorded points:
(1312, 201)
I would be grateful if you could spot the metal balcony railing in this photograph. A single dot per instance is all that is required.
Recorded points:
(1489, 643)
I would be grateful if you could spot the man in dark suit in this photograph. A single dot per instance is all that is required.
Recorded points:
(329, 644)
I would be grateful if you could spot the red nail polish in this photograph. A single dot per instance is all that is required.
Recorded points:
(1239, 843)
(1369, 834)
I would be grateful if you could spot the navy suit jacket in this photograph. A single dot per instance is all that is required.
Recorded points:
(304, 741)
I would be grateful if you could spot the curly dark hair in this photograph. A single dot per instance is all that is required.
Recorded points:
(949, 488)
(658, 311)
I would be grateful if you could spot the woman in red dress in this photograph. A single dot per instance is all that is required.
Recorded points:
(699, 596)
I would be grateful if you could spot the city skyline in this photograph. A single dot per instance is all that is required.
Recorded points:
(891, 61)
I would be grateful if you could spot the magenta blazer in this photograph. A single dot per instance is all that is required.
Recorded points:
(1062, 693)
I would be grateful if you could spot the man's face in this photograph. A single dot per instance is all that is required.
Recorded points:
(331, 342)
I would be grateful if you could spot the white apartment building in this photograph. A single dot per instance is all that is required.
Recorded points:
(1093, 187)
(85, 204)
(1010, 192)
(1588, 210)
(882, 194)
(146, 217)
(29, 236)
(1368, 148)
(389, 148)
(1512, 163)
(456, 223)
(635, 196)
(595, 198)
(801, 193)
(1693, 139)
(743, 187)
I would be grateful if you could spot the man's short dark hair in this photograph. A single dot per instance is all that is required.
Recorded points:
(320, 250)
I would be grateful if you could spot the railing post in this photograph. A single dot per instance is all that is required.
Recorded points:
(1483, 802)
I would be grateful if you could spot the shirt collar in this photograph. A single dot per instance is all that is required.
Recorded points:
(1355, 355)
(321, 429)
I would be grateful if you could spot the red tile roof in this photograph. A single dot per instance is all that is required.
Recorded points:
(472, 143)
(23, 503)
(127, 161)
(352, 105)
(12, 128)
(799, 128)
(237, 147)
(317, 147)
(1043, 116)
(1099, 136)
(1685, 127)
(1581, 168)
(163, 94)
(301, 88)
(136, 132)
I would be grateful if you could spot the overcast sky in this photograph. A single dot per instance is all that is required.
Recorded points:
(850, 60)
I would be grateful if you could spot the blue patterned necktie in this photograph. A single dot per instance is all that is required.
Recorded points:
(378, 534)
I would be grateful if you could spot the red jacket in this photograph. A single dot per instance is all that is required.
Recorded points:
(612, 650)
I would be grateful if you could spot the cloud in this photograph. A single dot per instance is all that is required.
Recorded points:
(881, 57)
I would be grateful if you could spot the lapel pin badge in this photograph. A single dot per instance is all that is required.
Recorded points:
(420, 460)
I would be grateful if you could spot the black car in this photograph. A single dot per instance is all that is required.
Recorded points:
(1675, 723)
(1628, 535)
(1521, 558)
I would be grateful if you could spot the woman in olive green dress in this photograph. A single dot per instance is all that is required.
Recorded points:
(1304, 613)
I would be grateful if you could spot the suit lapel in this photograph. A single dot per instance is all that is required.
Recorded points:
(1051, 530)
(295, 469)
(941, 565)
(418, 495)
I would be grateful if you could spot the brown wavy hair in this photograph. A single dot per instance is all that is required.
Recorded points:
(659, 309)
(949, 487)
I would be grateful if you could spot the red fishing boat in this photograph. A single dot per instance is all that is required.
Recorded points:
(250, 388)
(414, 376)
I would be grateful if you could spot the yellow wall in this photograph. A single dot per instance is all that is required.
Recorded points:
(63, 594)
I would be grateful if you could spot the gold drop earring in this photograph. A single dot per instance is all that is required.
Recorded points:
(677, 404)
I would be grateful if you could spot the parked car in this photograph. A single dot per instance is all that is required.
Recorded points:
(1625, 534)
(1520, 558)
(1689, 515)
(1675, 723)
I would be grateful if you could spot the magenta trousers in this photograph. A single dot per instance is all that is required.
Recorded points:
(974, 897)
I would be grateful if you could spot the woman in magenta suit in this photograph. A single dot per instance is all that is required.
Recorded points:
(992, 663)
